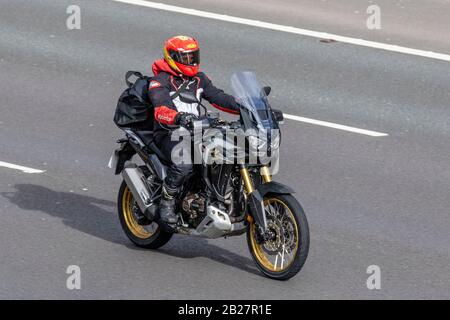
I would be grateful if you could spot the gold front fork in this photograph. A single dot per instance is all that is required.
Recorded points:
(265, 173)
(248, 184)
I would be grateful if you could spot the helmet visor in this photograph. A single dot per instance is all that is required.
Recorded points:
(188, 58)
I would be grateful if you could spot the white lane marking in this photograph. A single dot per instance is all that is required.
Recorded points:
(21, 168)
(278, 27)
(336, 126)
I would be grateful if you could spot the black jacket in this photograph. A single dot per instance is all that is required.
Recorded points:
(166, 83)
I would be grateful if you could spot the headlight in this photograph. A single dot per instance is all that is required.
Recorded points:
(275, 143)
(258, 145)
(253, 142)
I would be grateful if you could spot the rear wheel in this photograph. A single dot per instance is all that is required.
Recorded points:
(282, 255)
(150, 236)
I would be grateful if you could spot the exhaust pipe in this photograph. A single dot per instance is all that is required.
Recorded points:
(136, 182)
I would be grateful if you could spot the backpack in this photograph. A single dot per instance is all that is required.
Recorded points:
(134, 109)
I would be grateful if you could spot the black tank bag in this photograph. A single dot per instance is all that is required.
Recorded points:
(134, 109)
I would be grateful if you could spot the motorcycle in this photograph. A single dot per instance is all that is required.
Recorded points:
(226, 195)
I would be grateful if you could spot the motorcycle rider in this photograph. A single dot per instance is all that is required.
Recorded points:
(178, 71)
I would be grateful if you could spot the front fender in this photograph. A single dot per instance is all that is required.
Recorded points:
(274, 187)
(256, 200)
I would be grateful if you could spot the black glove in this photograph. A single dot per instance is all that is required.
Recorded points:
(185, 120)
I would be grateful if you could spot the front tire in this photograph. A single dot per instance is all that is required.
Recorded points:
(149, 237)
(284, 255)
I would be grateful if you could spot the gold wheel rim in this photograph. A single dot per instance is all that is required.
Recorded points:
(259, 250)
(127, 208)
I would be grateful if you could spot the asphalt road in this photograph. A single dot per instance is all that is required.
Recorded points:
(370, 201)
(411, 23)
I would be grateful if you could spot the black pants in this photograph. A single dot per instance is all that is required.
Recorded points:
(177, 171)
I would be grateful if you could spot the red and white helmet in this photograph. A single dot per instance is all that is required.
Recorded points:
(182, 53)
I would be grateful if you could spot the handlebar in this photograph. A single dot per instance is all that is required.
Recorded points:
(216, 123)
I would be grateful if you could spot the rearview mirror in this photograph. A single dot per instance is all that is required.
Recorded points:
(188, 97)
(267, 90)
(278, 115)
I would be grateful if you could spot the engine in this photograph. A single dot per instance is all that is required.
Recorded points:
(194, 206)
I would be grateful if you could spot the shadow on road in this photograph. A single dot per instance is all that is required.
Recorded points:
(98, 218)
(188, 248)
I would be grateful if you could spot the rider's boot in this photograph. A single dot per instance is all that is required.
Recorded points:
(167, 206)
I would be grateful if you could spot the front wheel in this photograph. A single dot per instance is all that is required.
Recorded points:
(282, 255)
(150, 236)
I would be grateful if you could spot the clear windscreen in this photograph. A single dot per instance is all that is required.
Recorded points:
(250, 94)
